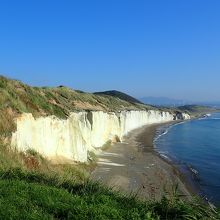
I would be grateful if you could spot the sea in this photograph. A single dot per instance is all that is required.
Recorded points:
(194, 147)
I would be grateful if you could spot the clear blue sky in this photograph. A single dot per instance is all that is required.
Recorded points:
(145, 48)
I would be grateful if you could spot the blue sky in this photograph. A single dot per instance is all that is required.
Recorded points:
(145, 48)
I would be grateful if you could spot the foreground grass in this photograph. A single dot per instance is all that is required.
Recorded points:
(34, 195)
(33, 188)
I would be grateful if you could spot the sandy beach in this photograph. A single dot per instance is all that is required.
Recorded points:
(133, 166)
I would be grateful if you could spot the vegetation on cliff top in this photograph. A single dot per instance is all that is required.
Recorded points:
(17, 97)
(59, 101)
(120, 95)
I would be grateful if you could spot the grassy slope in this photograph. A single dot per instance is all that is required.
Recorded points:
(42, 194)
(16, 97)
(36, 196)
(120, 95)
(33, 188)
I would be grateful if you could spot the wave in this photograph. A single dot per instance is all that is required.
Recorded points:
(199, 119)
(202, 119)
(165, 129)
(161, 134)
(164, 155)
(195, 172)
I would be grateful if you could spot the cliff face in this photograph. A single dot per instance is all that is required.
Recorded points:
(72, 138)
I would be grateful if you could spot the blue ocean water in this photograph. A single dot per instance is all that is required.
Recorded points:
(195, 145)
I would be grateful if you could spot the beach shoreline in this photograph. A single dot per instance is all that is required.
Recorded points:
(185, 176)
(135, 167)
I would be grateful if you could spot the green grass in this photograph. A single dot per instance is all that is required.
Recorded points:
(92, 157)
(119, 95)
(17, 97)
(107, 145)
(33, 195)
(33, 188)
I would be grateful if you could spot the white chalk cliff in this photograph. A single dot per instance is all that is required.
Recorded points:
(81, 132)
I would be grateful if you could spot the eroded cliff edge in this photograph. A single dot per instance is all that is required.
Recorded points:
(71, 139)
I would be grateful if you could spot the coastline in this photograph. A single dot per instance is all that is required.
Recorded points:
(135, 167)
(183, 174)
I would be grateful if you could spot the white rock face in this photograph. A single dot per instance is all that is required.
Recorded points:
(185, 116)
(72, 138)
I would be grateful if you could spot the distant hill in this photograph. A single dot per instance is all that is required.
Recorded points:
(119, 95)
(169, 102)
(215, 104)
(197, 109)
(162, 101)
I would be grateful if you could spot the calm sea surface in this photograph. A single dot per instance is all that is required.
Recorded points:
(195, 146)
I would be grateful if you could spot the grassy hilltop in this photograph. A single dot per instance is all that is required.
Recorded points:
(61, 100)
(31, 187)
(17, 97)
